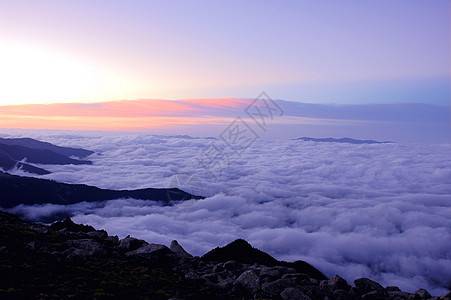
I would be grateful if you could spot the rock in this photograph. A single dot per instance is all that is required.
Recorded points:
(275, 272)
(324, 283)
(379, 294)
(446, 296)
(269, 272)
(82, 249)
(3, 250)
(192, 276)
(422, 293)
(212, 277)
(226, 284)
(341, 295)
(40, 228)
(177, 249)
(35, 246)
(74, 254)
(365, 285)
(148, 249)
(292, 293)
(392, 289)
(69, 225)
(112, 239)
(299, 277)
(313, 281)
(240, 250)
(129, 244)
(153, 253)
(398, 295)
(314, 292)
(338, 283)
(100, 234)
(218, 268)
(90, 247)
(247, 283)
(274, 288)
(232, 265)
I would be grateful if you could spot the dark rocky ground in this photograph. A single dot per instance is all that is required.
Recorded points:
(68, 260)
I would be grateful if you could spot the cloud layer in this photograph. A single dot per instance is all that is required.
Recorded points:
(379, 211)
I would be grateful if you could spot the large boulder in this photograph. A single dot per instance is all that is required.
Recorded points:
(276, 272)
(315, 292)
(232, 265)
(83, 248)
(365, 285)
(177, 249)
(153, 253)
(130, 244)
(293, 293)
(300, 278)
(274, 288)
(149, 249)
(338, 283)
(379, 294)
(247, 283)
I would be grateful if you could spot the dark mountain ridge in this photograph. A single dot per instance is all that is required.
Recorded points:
(342, 140)
(39, 145)
(15, 190)
(40, 156)
(14, 151)
(7, 163)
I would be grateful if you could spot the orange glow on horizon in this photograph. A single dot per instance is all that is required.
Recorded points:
(126, 115)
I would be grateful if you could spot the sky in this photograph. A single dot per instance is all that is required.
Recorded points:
(309, 51)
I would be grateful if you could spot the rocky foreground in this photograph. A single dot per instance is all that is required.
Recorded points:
(68, 260)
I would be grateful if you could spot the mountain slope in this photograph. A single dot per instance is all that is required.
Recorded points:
(39, 145)
(14, 151)
(40, 156)
(15, 190)
(7, 163)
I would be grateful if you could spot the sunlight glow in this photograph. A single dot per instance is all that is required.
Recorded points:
(36, 75)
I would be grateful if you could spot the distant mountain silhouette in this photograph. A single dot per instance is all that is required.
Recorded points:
(7, 163)
(241, 251)
(35, 144)
(15, 190)
(342, 140)
(13, 151)
(40, 156)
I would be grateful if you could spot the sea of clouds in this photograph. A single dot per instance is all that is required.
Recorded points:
(380, 211)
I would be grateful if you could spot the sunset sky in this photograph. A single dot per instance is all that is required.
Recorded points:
(309, 51)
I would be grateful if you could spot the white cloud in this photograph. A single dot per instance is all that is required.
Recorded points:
(379, 211)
